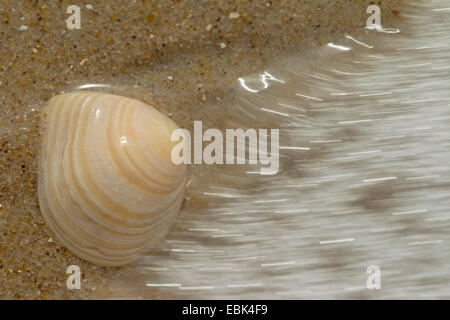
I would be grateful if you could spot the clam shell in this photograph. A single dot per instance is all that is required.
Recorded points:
(107, 186)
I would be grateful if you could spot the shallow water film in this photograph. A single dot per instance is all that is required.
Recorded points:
(363, 180)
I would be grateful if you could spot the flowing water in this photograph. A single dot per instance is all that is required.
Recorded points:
(363, 180)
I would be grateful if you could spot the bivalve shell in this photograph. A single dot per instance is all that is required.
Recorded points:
(107, 185)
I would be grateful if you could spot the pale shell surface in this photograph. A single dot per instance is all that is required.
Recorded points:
(107, 185)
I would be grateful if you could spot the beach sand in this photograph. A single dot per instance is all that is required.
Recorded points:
(175, 55)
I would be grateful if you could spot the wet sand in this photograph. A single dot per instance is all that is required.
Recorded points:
(177, 56)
